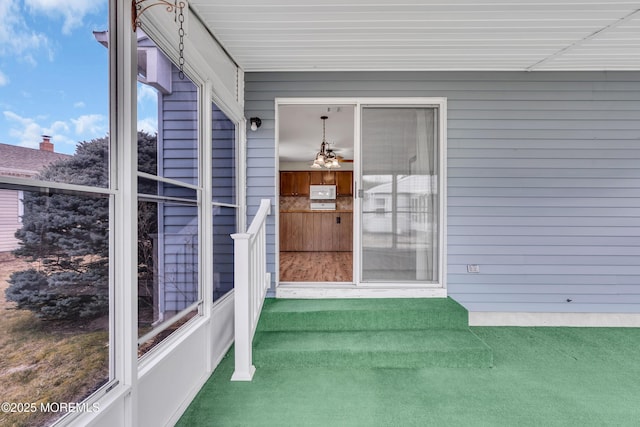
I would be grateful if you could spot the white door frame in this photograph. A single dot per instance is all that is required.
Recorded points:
(356, 289)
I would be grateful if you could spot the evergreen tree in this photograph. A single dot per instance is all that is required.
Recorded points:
(68, 235)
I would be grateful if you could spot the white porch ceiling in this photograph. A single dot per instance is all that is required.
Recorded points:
(312, 35)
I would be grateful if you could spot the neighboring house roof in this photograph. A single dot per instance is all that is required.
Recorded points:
(25, 162)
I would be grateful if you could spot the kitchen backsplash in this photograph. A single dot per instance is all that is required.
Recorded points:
(294, 203)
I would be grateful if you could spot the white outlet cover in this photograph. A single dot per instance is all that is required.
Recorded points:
(473, 268)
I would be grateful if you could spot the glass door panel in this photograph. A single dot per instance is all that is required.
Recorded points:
(400, 202)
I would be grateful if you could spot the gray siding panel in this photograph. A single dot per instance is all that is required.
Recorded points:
(9, 220)
(543, 179)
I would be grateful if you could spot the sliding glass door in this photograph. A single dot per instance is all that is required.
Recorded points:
(400, 201)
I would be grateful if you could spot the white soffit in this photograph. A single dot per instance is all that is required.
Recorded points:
(312, 35)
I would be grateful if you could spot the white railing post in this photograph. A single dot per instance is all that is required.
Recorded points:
(242, 317)
(250, 289)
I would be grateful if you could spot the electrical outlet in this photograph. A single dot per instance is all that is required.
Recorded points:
(473, 268)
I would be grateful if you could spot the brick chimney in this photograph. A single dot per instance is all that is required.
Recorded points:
(46, 144)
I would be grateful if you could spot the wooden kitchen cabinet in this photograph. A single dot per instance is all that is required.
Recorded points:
(297, 183)
(294, 183)
(345, 232)
(316, 231)
(332, 231)
(344, 183)
(291, 228)
(322, 177)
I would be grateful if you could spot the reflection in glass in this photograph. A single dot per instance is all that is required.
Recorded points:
(223, 189)
(167, 262)
(168, 150)
(224, 224)
(168, 108)
(400, 204)
(223, 158)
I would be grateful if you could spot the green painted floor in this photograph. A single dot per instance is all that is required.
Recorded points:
(539, 377)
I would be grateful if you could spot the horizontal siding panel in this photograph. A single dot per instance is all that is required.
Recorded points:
(544, 202)
(539, 192)
(259, 162)
(528, 124)
(545, 133)
(510, 163)
(557, 178)
(261, 172)
(567, 89)
(534, 281)
(544, 231)
(549, 115)
(471, 252)
(550, 289)
(529, 260)
(567, 106)
(543, 211)
(530, 240)
(546, 153)
(477, 95)
(504, 268)
(549, 145)
(550, 221)
(578, 298)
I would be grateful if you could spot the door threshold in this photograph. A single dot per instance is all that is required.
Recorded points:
(312, 290)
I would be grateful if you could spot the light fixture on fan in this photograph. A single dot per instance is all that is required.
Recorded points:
(325, 157)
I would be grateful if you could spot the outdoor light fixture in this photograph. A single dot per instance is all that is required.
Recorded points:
(255, 123)
(325, 157)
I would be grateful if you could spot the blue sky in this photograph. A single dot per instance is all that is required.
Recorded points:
(54, 74)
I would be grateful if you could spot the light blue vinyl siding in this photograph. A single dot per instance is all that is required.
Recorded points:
(543, 179)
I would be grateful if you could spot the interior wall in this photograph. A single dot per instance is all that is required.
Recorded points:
(542, 179)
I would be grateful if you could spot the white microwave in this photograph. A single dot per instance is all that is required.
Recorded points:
(322, 192)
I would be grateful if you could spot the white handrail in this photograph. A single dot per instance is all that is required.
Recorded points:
(250, 288)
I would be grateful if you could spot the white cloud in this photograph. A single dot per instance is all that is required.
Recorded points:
(72, 11)
(24, 129)
(149, 125)
(79, 104)
(146, 93)
(57, 127)
(16, 39)
(28, 131)
(93, 124)
(3, 79)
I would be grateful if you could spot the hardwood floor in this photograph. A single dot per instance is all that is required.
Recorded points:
(316, 267)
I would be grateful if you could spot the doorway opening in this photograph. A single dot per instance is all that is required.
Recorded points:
(375, 225)
(316, 202)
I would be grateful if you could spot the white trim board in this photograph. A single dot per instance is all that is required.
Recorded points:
(621, 320)
(323, 290)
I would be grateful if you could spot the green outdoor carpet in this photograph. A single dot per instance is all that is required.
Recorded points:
(540, 377)
(362, 314)
(367, 333)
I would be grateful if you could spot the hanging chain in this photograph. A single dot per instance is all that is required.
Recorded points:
(181, 43)
(137, 9)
